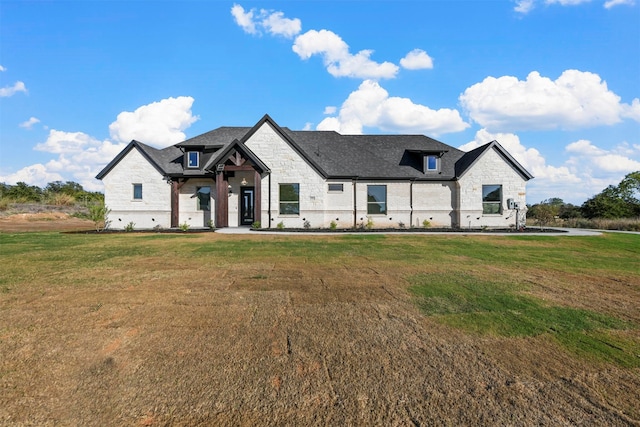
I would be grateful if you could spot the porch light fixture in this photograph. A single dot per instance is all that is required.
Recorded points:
(244, 181)
(220, 167)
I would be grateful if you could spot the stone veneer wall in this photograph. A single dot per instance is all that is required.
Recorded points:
(155, 207)
(489, 169)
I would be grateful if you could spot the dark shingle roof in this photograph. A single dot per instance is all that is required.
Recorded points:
(331, 154)
(375, 156)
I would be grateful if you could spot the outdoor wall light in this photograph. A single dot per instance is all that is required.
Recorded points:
(244, 181)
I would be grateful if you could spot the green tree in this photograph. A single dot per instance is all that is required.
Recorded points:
(24, 192)
(621, 201)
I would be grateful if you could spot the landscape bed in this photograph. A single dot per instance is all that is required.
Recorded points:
(345, 329)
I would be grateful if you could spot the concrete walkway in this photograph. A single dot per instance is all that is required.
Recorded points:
(561, 232)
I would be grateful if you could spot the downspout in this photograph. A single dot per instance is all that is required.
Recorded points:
(411, 203)
(269, 207)
(355, 204)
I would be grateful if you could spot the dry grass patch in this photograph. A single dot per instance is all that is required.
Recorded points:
(213, 329)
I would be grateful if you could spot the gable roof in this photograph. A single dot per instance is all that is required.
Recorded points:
(331, 154)
(471, 157)
(163, 160)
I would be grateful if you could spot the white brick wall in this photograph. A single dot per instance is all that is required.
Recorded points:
(287, 167)
(407, 204)
(489, 169)
(155, 207)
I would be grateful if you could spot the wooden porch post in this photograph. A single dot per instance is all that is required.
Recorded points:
(222, 201)
(175, 203)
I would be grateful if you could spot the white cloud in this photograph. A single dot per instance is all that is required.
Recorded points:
(566, 2)
(611, 3)
(60, 142)
(632, 111)
(575, 100)
(277, 24)
(583, 152)
(417, 59)
(330, 110)
(33, 175)
(29, 123)
(12, 90)
(524, 6)
(529, 158)
(338, 60)
(244, 19)
(79, 156)
(273, 22)
(370, 105)
(587, 171)
(2, 68)
(159, 124)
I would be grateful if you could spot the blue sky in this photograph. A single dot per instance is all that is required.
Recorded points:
(556, 82)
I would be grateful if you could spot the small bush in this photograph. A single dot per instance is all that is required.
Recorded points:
(426, 224)
(61, 199)
(130, 227)
(184, 226)
(401, 224)
(307, 224)
(333, 225)
(99, 214)
(280, 225)
(369, 223)
(256, 225)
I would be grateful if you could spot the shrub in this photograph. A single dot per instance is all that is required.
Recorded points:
(280, 225)
(307, 224)
(184, 226)
(61, 199)
(333, 225)
(369, 223)
(256, 225)
(130, 227)
(426, 224)
(99, 214)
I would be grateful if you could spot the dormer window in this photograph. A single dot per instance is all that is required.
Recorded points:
(431, 163)
(193, 159)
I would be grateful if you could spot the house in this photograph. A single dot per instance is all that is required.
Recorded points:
(267, 174)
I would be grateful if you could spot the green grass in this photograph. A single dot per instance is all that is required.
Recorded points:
(487, 294)
(501, 308)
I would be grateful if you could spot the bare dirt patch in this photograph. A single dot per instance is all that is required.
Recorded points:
(43, 221)
(155, 330)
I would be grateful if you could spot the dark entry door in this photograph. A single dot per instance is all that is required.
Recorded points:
(247, 203)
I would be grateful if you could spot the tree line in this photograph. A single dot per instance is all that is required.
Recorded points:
(55, 193)
(615, 202)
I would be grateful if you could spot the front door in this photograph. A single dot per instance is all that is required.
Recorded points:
(247, 211)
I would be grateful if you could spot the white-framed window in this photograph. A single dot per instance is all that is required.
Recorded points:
(137, 191)
(492, 199)
(431, 163)
(193, 159)
(376, 199)
(290, 199)
(336, 188)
